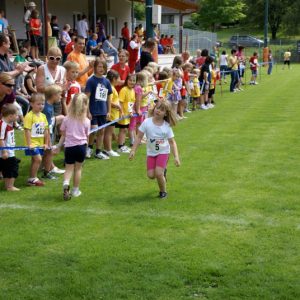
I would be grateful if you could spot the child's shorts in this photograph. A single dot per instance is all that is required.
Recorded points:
(121, 125)
(254, 72)
(160, 160)
(34, 152)
(75, 154)
(204, 88)
(139, 119)
(10, 167)
(98, 120)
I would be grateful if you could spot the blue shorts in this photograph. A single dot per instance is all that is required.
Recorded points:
(98, 120)
(75, 154)
(34, 152)
(254, 72)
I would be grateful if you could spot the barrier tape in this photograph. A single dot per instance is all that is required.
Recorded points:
(18, 148)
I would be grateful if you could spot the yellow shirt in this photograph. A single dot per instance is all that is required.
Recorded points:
(115, 113)
(145, 100)
(127, 100)
(169, 85)
(213, 79)
(37, 124)
(196, 89)
(287, 55)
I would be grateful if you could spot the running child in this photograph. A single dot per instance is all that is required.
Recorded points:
(116, 112)
(160, 140)
(127, 100)
(8, 161)
(74, 136)
(36, 137)
(98, 89)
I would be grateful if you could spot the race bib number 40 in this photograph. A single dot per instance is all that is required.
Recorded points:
(101, 93)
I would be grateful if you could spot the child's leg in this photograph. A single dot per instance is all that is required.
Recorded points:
(47, 160)
(77, 175)
(181, 107)
(108, 137)
(99, 139)
(9, 184)
(68, 173)
(35, 164)
(159, 174)
(122, 136)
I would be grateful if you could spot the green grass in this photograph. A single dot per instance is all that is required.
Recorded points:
(229, 229)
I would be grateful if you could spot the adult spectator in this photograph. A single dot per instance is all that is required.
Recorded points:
(223, 62)
(134, 52)
(233, 65)
(30, 7)
(52, 73)
(270, 62)
(171, 44)
(82, 27)
(122, 68)
(55, 27)
(100, 30)
(109, 49)
(125, 35)
(85, 68)
(65, 39)
(201, 60)
(2, 12)
(35, 26)
(140, 32)
(92, 46)
(3, 26)
(146, 55)
(7, 84)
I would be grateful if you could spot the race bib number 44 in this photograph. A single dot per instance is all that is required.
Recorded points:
(101, 93)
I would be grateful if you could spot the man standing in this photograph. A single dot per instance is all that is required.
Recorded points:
(82, 27)
(125, 35)
(85, 67)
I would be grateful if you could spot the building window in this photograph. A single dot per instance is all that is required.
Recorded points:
(167, 19)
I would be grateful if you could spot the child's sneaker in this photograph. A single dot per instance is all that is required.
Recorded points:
(76, 193)
(56, 170)
(112, 153)
(35, 182)
(48, 175)
(66, 193)
(102, 156)
(124, 149)
(162, 195)
(204, 107)
(89, 152)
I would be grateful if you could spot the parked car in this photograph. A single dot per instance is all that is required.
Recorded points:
(246, 41)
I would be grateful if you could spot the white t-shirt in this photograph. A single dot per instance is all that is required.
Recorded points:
(157, 137)
(134, 45)
(223, 60)
(82, 28)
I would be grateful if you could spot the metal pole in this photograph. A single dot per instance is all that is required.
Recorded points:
(266, 23)
(132, 17)
(44, 9)
(180, 32)
(149, 26)
(95, 15)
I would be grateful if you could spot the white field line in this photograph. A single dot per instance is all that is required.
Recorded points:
(213, 218)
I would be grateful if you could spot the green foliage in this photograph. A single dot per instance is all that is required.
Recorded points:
(228, 230)
(214, 12)
(139, 11)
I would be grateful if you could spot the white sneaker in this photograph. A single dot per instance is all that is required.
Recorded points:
(56, 170)
(112, 153)
(129, 149)
(210, 105)
(89, 152)
(124, 149)
(102, 156)
(76, 193)
(204, 107)
(255, 83)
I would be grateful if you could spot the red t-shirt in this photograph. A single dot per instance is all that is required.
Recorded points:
(122, 72)
(73, 89)
(200, 60)
(185, 78)
(253, 63)
(35, 23)
(125, 33)
(69, 48)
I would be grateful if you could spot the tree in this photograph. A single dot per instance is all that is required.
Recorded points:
(139, 11)
(214, 12)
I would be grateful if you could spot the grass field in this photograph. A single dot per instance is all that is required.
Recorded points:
(230, 228)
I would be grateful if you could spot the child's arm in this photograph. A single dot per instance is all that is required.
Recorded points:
(136, 144)
(138, 99)
(4, 152)
(174, 150)
(108, 106)
(46, 139)
(57, 148)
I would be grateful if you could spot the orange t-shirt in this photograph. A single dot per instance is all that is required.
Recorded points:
(83, 63)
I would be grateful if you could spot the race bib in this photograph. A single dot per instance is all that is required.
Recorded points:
(38, 130)
(101, 93)
(154, 89)
(157, 145)
(130, 107)
(161, 92)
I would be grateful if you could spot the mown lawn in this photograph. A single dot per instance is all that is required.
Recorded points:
(229, 229)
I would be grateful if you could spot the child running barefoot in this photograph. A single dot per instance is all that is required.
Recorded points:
(74, 135)
(8, 161)
(160, 139)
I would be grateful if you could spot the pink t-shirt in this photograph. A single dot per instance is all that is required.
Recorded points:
(76, 132)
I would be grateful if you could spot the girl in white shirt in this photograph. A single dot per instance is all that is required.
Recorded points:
(160, 140)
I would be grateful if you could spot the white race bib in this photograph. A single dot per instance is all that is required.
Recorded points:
(130, 107)
(101, 93)
(38, 130)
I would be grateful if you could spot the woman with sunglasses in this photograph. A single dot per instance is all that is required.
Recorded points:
(52, 73)
(7, 95)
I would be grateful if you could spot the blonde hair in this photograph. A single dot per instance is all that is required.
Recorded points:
(4, 77)
(37, 97)
(142, 79)
(70, 65)
(78, 107)
(164, 105)
(149, 69)
(154, 66)
(54, 51)
(9, 109)
(52, 90)
(168, 71)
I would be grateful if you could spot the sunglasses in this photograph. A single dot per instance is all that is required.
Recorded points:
(9, 85)
(57, 58)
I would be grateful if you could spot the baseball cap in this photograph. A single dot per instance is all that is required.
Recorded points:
(31, 4)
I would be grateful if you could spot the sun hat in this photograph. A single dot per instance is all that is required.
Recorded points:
(31, 4)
